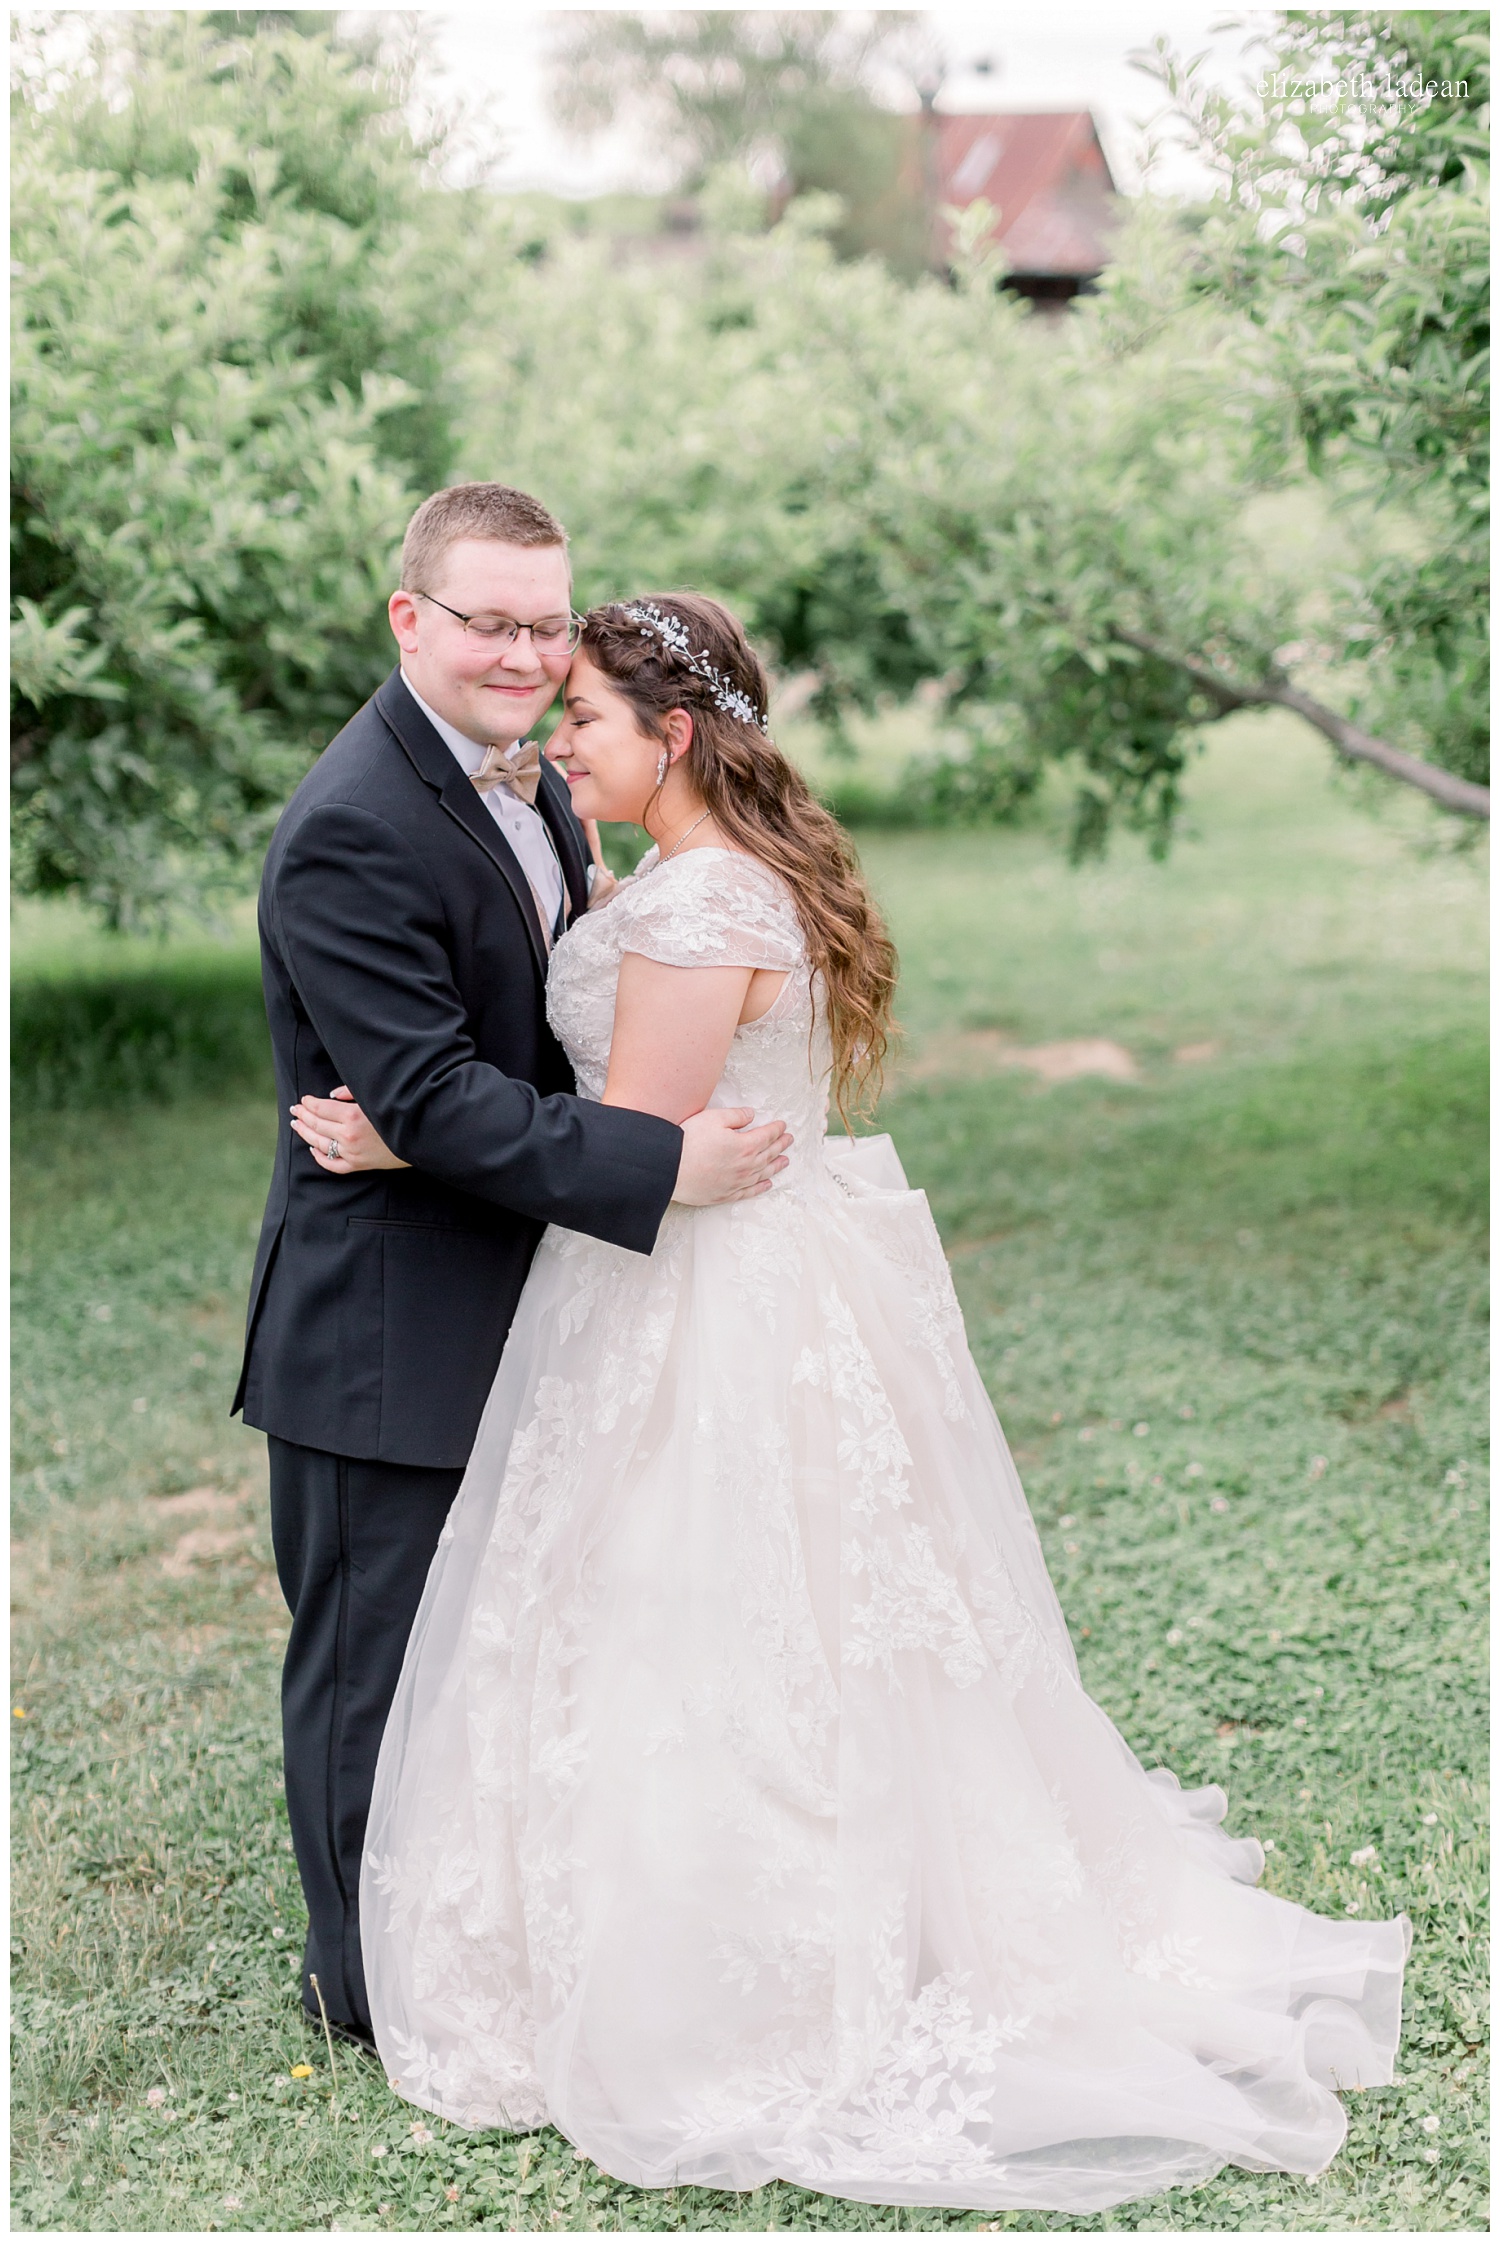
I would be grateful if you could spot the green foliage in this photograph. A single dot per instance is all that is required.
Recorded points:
(905, 483)
(1015, 512)
(1270, 1255)
(1353, 230)
(772, 93)
(719, 85)
(169, 1030)
(844, 145)
(1353, 105)
(896, 484)
(229, 382)
(253, 326)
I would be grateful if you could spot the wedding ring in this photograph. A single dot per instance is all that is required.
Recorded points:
(333, 1150)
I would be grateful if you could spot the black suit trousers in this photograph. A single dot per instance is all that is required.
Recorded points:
(353, 1540)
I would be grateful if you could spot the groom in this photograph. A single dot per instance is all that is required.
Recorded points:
(412, 892)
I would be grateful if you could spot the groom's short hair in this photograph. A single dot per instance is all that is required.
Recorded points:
(493, 510)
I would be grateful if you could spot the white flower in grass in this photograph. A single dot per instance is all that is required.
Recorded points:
(1432, 2124)
(233, 2203)
(421, 2134)
(1366, 1857)
(1433, 2156)
(155, 2096)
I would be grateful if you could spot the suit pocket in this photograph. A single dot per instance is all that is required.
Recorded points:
(412, 1229)
(446, 1298)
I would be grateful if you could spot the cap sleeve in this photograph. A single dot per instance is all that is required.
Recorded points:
(712, 907)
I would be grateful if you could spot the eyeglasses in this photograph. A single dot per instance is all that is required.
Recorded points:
(553, 634)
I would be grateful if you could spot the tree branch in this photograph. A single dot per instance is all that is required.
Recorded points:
(1459, 795)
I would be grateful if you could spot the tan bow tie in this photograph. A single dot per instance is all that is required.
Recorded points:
(518, 767)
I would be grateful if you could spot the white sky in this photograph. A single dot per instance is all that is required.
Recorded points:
(1066, 54)
(1063, 54)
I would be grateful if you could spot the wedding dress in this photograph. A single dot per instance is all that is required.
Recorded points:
(741, 1812)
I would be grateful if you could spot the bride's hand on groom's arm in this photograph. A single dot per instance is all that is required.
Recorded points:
(323, 1123)
(723, 1157)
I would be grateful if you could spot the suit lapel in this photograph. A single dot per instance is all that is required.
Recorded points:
(572, 849)
(461, 800)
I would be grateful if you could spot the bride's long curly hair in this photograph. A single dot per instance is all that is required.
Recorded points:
(762, 804)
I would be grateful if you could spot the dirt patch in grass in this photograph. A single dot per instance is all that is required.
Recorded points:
(963, 1054)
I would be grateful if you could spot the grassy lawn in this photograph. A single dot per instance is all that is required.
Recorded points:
(1228, 1302)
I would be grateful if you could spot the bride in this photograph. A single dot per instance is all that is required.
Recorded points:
(741, 1812)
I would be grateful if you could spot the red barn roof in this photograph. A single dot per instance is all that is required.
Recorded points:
(1046, 175)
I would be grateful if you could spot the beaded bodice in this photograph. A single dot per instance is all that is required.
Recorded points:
(711, 906)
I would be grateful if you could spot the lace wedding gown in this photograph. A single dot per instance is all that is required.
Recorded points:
(741, 1812)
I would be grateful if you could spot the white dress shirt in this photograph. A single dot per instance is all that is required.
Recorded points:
(523, 826)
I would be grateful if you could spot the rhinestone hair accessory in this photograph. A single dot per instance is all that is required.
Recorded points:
(672, 632)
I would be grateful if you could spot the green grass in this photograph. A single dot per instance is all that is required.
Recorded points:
(99, 1019)
(1267, 1256)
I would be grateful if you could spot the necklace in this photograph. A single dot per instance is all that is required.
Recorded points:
(676, 845)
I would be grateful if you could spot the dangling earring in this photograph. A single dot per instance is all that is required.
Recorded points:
(661, 768)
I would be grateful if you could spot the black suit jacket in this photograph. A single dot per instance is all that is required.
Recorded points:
(401, 954)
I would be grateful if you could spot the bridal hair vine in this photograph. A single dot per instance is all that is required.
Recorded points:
(672, 632)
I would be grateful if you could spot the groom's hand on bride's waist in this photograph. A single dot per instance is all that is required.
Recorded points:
(726, 1155)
